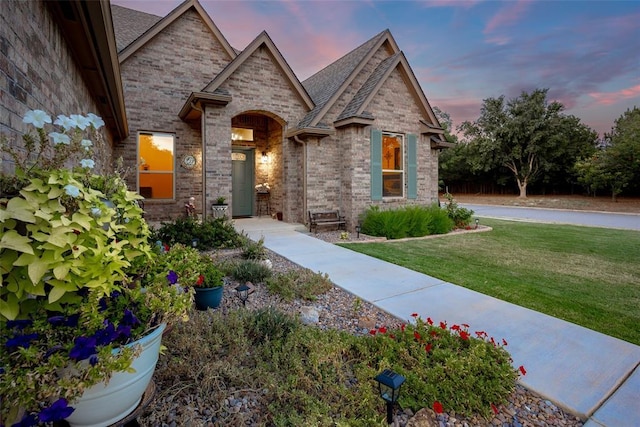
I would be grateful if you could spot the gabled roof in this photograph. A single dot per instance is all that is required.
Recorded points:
(326, 86)
(263, 39)
(355, 107)
(130, 24)
(163, 23)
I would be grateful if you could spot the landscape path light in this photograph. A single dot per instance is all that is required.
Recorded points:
(389, 384)
(243, 293)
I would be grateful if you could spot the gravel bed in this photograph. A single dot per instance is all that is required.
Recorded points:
(340, 310)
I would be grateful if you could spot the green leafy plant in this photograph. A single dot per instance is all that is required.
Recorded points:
(299, 284)
(460, 216)
(250, 271)
(220, 200)
(254, 250)
(211, 276)
(185, 261)
(213, 233)
(74, 256)
(408, 221)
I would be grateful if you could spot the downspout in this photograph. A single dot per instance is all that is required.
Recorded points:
(203, 128)
(304, 176)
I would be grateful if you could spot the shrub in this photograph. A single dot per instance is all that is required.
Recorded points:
(250, 271)
(408, 221)
(460, 216)
(212, 233)
(299, 284)
(270, 324)
(254, 250)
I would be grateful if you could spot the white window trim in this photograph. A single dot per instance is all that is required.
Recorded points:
(402, 171)
(174, 172)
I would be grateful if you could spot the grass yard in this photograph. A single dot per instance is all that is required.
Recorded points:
(588, 276)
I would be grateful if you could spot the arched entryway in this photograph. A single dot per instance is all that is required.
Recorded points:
(256, 142)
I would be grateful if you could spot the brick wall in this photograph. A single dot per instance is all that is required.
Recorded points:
(37, 71)
(157, 80)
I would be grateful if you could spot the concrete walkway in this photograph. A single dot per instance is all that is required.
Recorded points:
(590, 374)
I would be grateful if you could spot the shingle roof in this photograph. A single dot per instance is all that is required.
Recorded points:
(129, 24)
(326, 82)
(352, 108)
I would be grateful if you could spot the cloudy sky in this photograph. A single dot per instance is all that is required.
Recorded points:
(587, 53)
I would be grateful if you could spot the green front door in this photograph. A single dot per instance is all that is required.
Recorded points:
(242, 182)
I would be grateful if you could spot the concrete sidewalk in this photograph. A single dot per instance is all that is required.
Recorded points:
(590, 374)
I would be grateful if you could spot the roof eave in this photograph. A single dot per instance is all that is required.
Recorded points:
(309, 131)
(354, 121)
(88, 29)
(192, 108)
(428, 128)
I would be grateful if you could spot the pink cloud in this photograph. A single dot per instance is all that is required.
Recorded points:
(451, 3)
(608, 98)
(507, 16)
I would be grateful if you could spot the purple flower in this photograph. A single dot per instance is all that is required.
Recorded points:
(21, 341)
(103, 304)
(57, 320)
(115, 294)
(59, 410)
(20, 323)
(54, 349)
(84, 347)
(72, 321)
(123, 332)
(93, 360)
(172, 277)
(107, 335)
(130, 318)
(29, 420)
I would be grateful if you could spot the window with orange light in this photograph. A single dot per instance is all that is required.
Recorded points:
(156, 165)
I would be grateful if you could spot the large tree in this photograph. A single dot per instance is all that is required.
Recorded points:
(529, 136)
(616, 165)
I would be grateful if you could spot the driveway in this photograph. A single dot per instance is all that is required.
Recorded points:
(558, 216)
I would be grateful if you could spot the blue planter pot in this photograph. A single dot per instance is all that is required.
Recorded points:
(208, 297)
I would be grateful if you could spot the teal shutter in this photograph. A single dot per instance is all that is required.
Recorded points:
(376, 164)
(412, 166)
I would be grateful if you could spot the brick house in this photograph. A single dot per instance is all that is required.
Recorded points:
(204, 120)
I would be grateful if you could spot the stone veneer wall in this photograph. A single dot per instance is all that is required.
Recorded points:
(37, 71)
(157, 80)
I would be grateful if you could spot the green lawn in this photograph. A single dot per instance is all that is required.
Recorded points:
(588, 276)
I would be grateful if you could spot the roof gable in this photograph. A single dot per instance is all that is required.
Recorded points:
(326, 86)
(129, 24)
(163, 23)
(355, 109)
(263, 39)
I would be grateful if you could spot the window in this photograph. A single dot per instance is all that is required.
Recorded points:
(156, 165)
(389, 173)
(392, 165)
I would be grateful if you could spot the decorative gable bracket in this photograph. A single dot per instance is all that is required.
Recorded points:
(192, 108)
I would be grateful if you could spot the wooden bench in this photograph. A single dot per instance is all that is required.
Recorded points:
(326, 218)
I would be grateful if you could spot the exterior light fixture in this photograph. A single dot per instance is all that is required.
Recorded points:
(194, 243)
(389, 384)
(243, 293)
(477, 222)
(265, 157)
(358, 231)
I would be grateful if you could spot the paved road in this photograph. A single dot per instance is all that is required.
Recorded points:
(558, 216)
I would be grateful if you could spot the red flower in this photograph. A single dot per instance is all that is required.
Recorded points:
(416, 335)
(437, 407)
(522, 370)
(495, 409)
(414, 315)
(464, 325)
(382, 330)
(429, 321)
(433, 333)
(464, 335)
(166, 247)
(443, 325)
(481, 334)
(393, 337)
(200, 280)
(372, 331)
(455, 328)
(504, 342)
(402, 327)
(493, 342)
(427, 347)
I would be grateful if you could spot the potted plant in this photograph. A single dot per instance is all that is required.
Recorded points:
(209, 286)
(220, 201)
(83, 298)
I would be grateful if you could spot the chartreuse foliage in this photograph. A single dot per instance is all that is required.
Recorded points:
(320, 377)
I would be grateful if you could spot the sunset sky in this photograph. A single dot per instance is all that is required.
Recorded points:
(587, 53)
